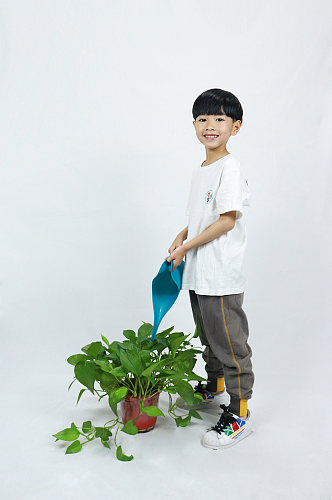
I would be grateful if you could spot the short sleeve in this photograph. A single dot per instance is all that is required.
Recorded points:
(229, 196)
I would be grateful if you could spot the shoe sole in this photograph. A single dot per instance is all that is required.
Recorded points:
(229, 445)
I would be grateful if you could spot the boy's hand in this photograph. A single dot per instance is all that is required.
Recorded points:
(176, 243)
(177, 256)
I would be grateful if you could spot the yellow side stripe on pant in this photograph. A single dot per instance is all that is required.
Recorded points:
(230, 345)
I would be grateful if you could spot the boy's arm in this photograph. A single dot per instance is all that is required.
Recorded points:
(184, 233)
(224, 224)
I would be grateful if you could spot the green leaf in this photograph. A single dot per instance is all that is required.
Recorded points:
(99, 432)
(117, 395)
(152, 411)
(176, 342)
(185, 390)
(130, 428)
(194, 376)
(130, 334)
(119, 371)
(143, 341)
(185, 355)
(80, 395)
(178, 374)
(165, 373)
(188, 365)
(107, 378)
(104, 364)
(148, 345)
(113, 353)
(154, 366)
(127, 345)
(71, 383)
(145, 330)
(75, 358)
(114, 346)
(160, 345)
(194, 413)
(185, 421)
(121, 456)
(105, 443)
(176, 335)
(103, 433)
(146, 356)
(85, 372)
(68, 434)
(93, 349)
(164, 333)
(196, 333)
(194, 351)
(107, 381)
(132, 362)
(198, 398)
(177, 420)
(114, 409)
(105, 340)
(87, 426)
(74, 447)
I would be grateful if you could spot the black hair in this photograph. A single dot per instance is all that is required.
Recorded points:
(216, 102)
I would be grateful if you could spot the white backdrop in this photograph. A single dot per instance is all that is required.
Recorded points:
(97, 148)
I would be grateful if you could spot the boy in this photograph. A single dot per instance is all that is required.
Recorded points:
(213, 271)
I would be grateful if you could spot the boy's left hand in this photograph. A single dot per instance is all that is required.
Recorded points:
(177, 256)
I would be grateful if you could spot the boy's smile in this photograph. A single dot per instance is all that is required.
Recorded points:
(214, 131)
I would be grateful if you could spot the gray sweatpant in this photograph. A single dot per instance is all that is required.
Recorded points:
(223, 329)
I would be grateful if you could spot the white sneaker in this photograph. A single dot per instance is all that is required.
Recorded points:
(229, 430)
(215, 398)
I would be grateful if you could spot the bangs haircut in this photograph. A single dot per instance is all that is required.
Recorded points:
(218, 102)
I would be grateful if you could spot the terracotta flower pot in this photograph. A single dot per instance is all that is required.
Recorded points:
(130, 408)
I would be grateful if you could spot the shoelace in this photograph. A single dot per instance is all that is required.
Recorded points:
(225, 418)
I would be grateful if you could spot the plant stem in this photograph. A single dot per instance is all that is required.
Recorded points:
(112, 420)
(116, 434)
(87, 437)
(83, 442)
(134, 388)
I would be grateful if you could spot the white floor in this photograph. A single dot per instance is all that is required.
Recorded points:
(287, 457)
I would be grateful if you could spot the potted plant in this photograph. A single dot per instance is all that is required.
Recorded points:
(133, 373)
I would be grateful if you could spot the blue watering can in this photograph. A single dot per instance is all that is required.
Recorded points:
(166, 287)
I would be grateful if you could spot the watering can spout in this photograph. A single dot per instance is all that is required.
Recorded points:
(166, 287)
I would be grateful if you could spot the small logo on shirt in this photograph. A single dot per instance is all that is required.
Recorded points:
(208, 196)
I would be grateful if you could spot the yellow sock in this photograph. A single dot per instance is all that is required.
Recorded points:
(220, 384)
(243, 407)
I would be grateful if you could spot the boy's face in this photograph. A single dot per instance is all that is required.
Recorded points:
(221, 126)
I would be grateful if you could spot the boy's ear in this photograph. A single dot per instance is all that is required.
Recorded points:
(237, 127)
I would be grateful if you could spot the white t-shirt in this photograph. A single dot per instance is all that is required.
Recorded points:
(216, 267)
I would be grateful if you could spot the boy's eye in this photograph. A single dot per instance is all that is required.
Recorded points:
(218, 119)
